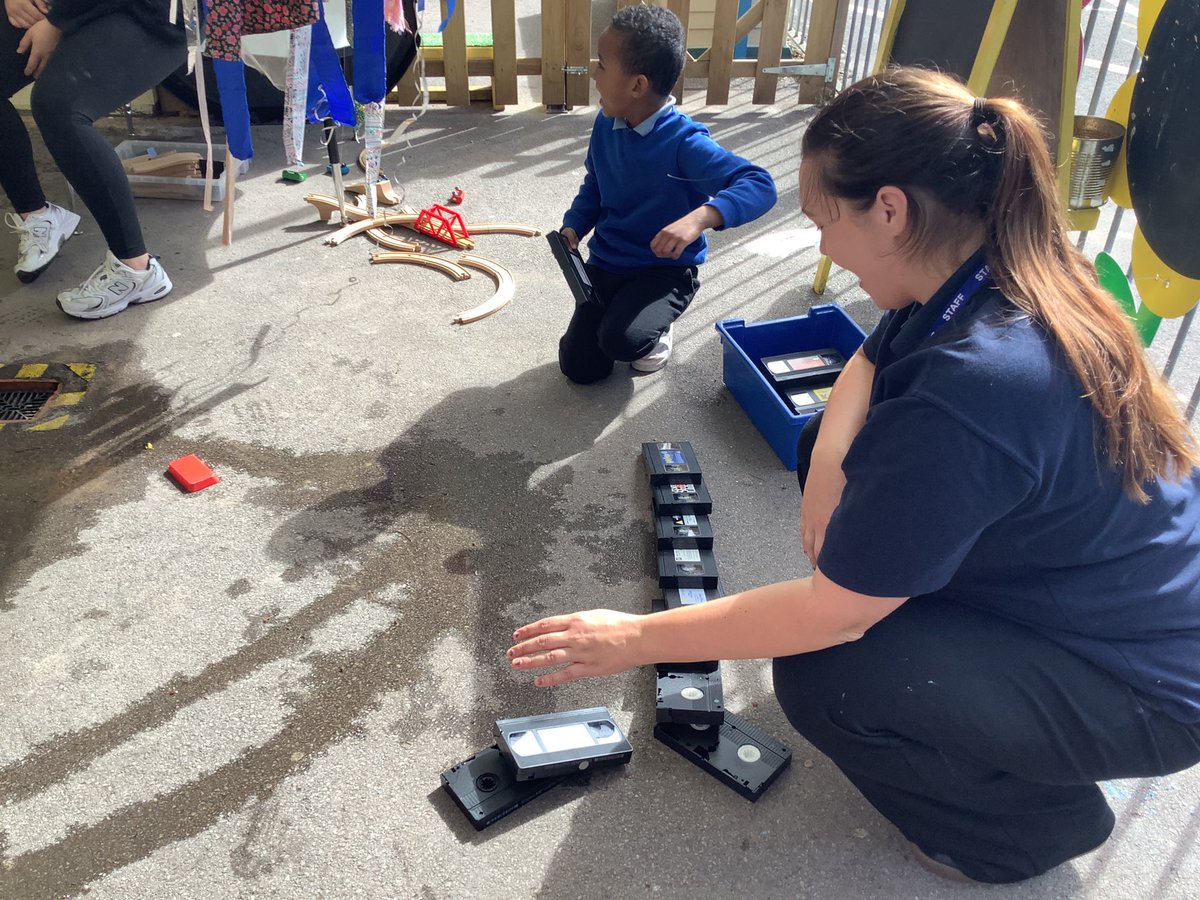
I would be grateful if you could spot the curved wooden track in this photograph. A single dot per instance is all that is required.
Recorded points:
(506, 287)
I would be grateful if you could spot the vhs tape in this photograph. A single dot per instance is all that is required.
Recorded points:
(573, 269)
(679, 497)
(692, 698)
(683, 530)
(687, 568)
(671, 461)
(486, 789)
(559, 743)
(711, 665)
(808, 400)
(744, 756)
(804, 365)
(673, 598)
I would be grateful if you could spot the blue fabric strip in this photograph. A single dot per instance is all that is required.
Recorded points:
(328, 96)
(450, 4)
(231, 85)
(968, 290)
(370, 63)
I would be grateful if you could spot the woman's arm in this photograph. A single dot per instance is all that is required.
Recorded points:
(843, 417)
(776, 620)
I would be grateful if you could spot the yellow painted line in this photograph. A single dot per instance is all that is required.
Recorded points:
(70, 398)
(83, 370)
(51, 424)
(32, 370)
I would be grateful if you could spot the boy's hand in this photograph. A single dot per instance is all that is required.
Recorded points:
(39, 42)
(570, 237)
(679, 235)
(23, 13)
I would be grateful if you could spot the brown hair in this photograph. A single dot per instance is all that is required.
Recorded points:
(964, 163)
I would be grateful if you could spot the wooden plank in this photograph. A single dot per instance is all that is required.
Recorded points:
(700, 68)
(825, 29)
(720, 71)
(746, 23)
(1032, 65)
(579, 50)
(682, 9)
(454, 57)
(504, 52)
(554, 52)
(770, 49)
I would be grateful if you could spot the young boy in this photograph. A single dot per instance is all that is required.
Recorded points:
(655, 182)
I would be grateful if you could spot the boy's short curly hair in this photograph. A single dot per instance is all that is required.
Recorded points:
(652, 44)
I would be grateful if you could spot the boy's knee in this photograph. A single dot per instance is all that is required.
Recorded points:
(624, 344)
(582, 371)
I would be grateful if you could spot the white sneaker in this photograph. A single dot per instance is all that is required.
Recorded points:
(659, 353)
(41, 236)
(112, 287)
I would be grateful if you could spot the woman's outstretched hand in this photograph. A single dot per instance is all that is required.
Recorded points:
(585, 644)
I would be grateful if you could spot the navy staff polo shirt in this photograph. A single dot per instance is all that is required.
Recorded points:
(975, 478)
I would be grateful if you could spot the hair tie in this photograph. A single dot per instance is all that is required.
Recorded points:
(979, 113)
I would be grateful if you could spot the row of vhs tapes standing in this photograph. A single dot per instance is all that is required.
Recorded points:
(690, 715)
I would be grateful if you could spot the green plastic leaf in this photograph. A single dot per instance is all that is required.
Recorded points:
(1113, 280)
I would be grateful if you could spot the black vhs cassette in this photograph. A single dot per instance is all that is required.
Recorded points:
(485, 787)
(744, 757)
(668, 461)
(560, 743)
(683, 530)
(681, 497)
(573, 270)
(687, 567)
(690, 698)
(673, 598)
(804, 366)
(808, 399)
(659, 605)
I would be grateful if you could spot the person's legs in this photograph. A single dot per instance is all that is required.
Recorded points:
(981, 740)
(18, 177)
(579, 354)
(105, 63)
(642, 309)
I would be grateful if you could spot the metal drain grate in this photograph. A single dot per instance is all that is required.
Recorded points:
(22, 399)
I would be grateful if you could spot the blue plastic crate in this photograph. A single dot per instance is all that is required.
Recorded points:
(742, 346)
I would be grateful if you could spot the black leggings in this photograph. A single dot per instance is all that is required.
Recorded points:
(103, 64)
(980, 739)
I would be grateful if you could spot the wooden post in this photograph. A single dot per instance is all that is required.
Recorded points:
(454, 56)
(770, 48)
(554, 52)
(682, 10)
(579, 51)
(230, 178)
(825, 30)
(504, 53)
(720, 69)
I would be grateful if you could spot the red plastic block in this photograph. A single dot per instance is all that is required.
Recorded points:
(191, 474)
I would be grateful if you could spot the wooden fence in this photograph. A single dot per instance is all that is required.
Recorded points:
(567, 41)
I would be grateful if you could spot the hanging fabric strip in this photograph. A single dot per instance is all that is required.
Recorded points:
(327, 91)
(296, 96)
(373, 141)
(450, 4)
(393, 14)
(202, 103)
(231, 85)
(370, 62)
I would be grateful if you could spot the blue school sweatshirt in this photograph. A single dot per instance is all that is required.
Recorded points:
(639, 180)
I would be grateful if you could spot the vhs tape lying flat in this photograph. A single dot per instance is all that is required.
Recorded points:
(683, 530)
(804, 366)
(692, 698)
(687, 568)
(679, 497)
(673, 598)
(560, 743)
(486, 789)
(573, 269)
(744, 756)
(660, 605)
(671, 461)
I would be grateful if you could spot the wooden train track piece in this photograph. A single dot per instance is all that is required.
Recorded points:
(365, 224)
(504, 228)
(385, 194)
(326, 206)
(391, 242)
(506, 287)
(455, 271)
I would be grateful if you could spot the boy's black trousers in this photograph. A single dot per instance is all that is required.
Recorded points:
(980, 739)
(635, 308)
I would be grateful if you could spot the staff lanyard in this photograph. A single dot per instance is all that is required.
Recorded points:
(968, 290)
